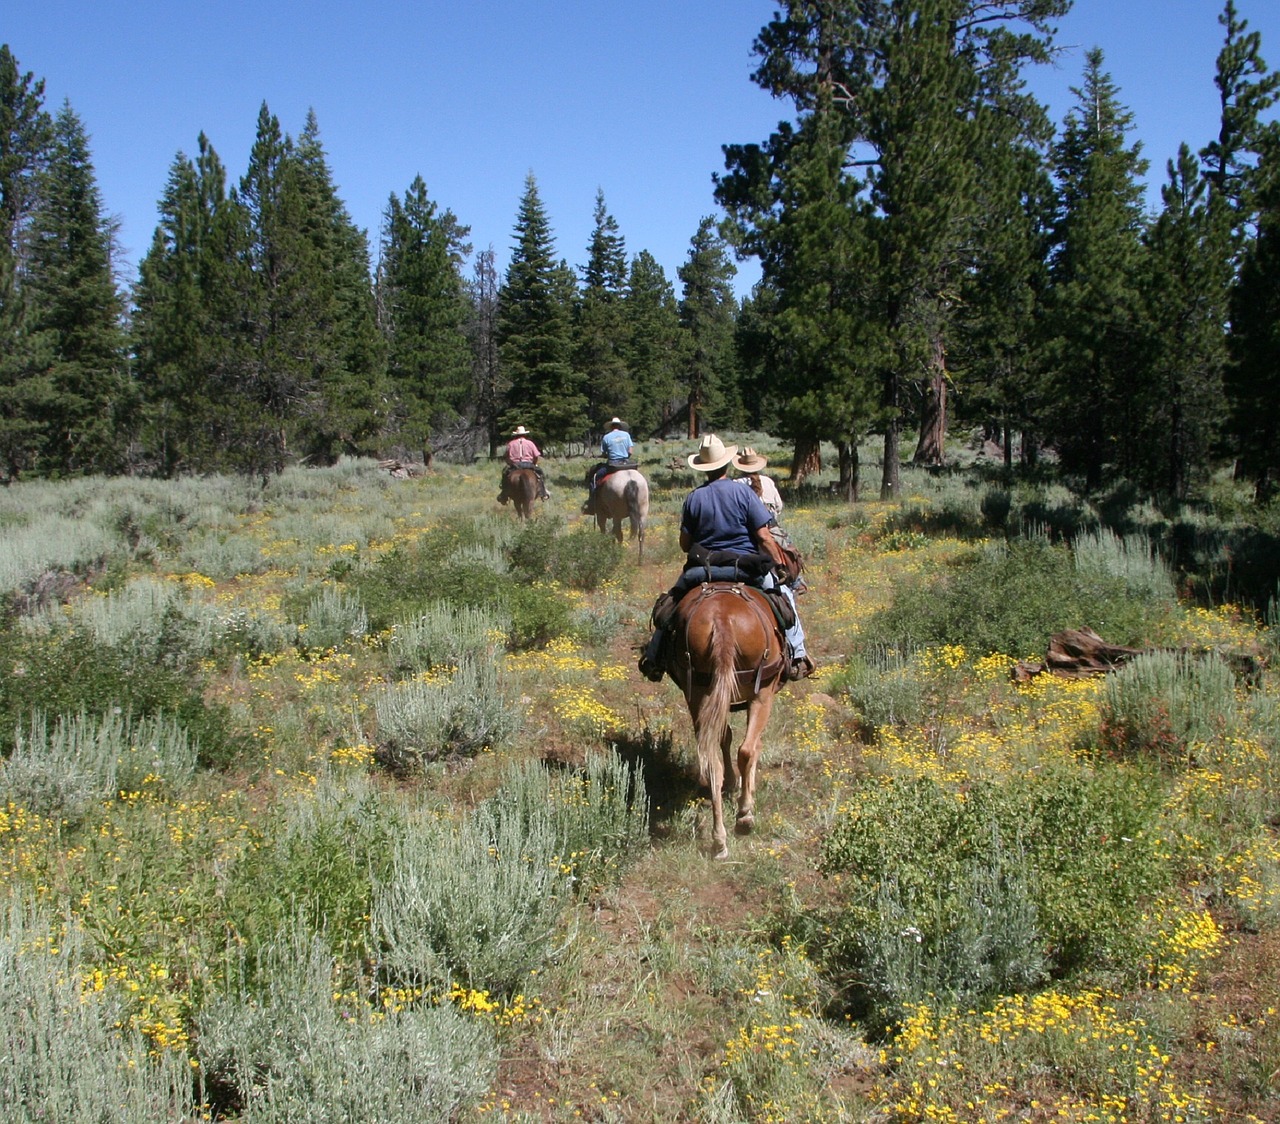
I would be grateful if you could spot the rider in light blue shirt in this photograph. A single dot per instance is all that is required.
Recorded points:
(615, 447)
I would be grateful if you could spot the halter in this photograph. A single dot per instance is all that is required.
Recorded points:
(766, 622)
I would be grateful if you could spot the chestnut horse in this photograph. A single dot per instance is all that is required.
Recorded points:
(728, 653)
(623, 494)
(522, 487)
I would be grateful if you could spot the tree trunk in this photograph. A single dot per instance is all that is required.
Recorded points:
(930, 449)
(1008, 448)
(848, 470)
(890, 477)
(806, 460)
(693, 417)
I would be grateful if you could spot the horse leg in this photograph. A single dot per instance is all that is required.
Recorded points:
(748, 757)
(713, 777)
(726, 754)
(617, 529)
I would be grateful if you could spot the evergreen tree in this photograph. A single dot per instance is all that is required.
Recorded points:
(654, 345)
(1253, 389)
(188, 341)
(707, 312)
(427, 312)
(1095, 279)
(600, 333)
(76, 314)
(535, 331)
(346, 413)
(1179, 401)
(26, 133)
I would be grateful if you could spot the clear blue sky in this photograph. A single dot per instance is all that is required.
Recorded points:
(629, 96)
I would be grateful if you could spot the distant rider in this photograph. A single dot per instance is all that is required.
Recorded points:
(522, 453)
(615, 447)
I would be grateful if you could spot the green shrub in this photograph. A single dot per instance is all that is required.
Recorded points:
(66, 671)
(600, 815)
(315, 866)
(961, 895)
(1164, 704)
(585, 559)
(1009, 598)
(295, 1047)
(885, 685)
(423, 721)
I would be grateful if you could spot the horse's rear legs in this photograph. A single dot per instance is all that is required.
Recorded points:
(749, 757)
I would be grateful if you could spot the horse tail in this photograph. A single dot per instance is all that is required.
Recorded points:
(713, 715)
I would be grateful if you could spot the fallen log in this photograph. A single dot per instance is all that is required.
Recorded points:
(1077, 653)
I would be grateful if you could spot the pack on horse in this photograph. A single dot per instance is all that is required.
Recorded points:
(622, 493)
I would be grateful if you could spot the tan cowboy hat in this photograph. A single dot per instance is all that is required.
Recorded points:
(712, 454)
(519, 431)
(749, 460)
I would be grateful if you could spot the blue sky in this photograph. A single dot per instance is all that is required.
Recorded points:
(628, 96)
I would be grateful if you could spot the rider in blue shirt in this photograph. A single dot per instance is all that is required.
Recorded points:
(615, 447)
(722, 515)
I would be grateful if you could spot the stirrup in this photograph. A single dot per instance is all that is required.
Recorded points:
(801, 668)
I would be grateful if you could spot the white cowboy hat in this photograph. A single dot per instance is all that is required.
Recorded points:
(749, 460)
(519, 431)
(615, 421)
(712, 454)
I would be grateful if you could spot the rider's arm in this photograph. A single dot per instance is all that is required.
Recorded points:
(686, 540)
(768, 545)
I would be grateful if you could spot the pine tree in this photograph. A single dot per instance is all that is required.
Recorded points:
(486, 378)
(1095, 278)
(654, 345)
(427, 312)
(535, 331)
(707, 312)
(76, 314)
(26, 133)
(346, 413)
(599, 327)
(1253, 390)
(187, 342)
(1179, 400)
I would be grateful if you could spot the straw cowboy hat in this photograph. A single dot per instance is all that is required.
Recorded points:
(749, 460)
(519, 431)
(615, 421)
(712, 454)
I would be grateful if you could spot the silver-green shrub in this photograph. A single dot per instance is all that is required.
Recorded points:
(599, 814)
(302, 1049)
(334, 618)
(444, 635)
(66, 1052)
(420, 721)
(479, 901)
(1131, 558)
(61, 768)
(886, 686)
(1166, 703)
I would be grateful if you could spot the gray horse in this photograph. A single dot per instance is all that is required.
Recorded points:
(623, 494)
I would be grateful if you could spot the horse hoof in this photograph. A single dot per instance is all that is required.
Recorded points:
(745, 824)
(721, 854)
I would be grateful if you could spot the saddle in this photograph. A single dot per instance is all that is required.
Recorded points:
(704, 567)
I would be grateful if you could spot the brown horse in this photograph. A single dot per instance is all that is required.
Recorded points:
(728, 653)
(522, 487)
(623, 494)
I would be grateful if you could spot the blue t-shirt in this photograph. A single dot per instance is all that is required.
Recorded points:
(720, 515)
(616, 445)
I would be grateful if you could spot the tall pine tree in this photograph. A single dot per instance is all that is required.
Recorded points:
(426, 313)
(708, 309)
(76, 314)
(1095, 279)
(535, 331)
(599, 327)
(654, 345)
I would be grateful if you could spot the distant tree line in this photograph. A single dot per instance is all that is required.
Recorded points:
(933, 252)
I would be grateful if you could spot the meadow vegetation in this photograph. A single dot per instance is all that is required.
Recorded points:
(341, 799)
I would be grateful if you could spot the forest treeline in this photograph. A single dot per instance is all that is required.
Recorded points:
(934, 252)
